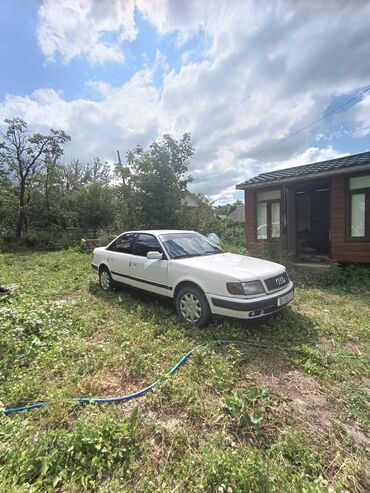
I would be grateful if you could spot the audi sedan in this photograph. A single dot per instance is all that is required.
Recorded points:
(197, 274)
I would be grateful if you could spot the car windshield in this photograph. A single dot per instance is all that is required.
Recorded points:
(183, 245)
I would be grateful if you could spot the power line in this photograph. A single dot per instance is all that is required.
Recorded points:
(325, 115)
(309, 125)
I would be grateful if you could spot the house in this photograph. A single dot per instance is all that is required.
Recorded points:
(190, 200)
(237, 213)
(318, 209)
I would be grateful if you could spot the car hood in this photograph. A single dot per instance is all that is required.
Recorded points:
(241, 267)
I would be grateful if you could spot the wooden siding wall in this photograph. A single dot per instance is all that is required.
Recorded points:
(250, 219)
(342, 250)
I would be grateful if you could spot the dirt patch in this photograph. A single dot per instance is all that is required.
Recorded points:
(349, 347)
(95, 338)
(304, 394)
(61, 302)
(68, 299)
(170, 423)
(327, 344)
(365, 385)
(357, 436)
(110, 382)
(353, 348)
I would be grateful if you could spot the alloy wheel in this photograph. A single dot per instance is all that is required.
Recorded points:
(105, 280)
(190, 307)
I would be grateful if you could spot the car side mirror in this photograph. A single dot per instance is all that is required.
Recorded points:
(154, 255)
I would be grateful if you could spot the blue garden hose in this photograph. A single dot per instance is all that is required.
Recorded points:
(145, 390)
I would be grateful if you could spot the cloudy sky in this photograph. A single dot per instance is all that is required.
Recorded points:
(238, 75)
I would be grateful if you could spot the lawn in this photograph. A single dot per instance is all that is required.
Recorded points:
(233, 418)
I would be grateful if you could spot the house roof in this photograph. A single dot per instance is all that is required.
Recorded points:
(237, 214)
(322, 167)
(190, 199)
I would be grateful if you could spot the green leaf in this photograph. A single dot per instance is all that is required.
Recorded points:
(256, 417)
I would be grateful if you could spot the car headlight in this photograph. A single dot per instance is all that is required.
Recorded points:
(252, 287)
(249, 288)
(235, 288)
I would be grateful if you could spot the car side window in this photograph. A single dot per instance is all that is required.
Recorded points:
(123, 244)
(146, 243)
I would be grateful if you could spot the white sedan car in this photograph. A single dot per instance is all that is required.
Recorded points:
(200, 278)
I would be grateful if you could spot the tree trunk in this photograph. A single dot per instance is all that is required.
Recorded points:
(26, 209)
(47, 205)
(21, 215)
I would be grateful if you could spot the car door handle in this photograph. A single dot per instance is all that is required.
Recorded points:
(134, 264)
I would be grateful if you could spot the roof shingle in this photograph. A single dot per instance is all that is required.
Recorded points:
(308, 169)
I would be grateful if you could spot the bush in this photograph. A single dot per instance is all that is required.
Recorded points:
(43, 239)
(353, 278)
(232, 232)
(66, 458)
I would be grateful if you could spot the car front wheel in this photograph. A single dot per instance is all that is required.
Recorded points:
(105, 279)
(192, 306)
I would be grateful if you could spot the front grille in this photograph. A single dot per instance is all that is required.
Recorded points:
(277, 282)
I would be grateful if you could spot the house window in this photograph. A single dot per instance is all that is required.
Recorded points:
(268, 215)
(359, 203)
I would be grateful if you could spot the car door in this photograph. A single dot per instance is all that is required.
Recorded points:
(147, 274)
(120, 252)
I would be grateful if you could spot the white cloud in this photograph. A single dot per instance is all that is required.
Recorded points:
(98, 128)
(360, 113)
(73, 28)
(310, 155)
(186, 17)
(266, 71)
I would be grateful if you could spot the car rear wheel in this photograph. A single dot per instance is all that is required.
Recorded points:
(105, 279)
(192, 306)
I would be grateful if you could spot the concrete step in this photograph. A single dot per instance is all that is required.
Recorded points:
(316, 270)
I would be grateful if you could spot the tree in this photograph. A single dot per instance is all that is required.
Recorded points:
(98, 171)
(123, 197)
(227, 208)
(201, 218)
(158, 180)
(23, 153)
(8, 204)
(94, 206)
(45, 208)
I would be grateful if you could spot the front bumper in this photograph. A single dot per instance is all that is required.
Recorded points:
(250, 308)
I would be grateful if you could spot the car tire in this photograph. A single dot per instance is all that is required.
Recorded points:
(105, 279)
(192, 306)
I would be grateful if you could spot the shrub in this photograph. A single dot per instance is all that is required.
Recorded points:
(232, 232)
(81, 456)
(352, 278)
(248, 407)
(42, 239)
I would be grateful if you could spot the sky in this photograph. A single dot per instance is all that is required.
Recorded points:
(240, 76)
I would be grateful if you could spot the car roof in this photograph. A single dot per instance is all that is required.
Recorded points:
(161, 231)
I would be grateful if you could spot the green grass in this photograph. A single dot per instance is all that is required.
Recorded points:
(232, 417)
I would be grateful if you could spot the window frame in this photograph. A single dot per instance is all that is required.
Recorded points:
(268, 203)
(111, 245)
(153, 236)
(348, 195)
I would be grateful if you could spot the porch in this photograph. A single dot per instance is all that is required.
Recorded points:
(306, 220)
(315, 211)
